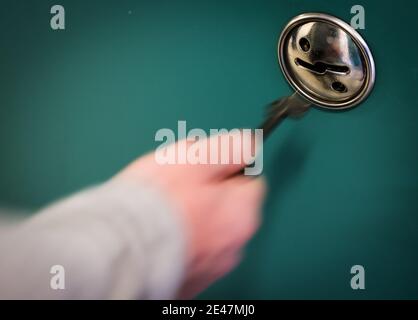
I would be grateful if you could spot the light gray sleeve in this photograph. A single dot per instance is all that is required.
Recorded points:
(119, 240)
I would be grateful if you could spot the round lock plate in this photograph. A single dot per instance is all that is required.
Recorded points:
(326, 61)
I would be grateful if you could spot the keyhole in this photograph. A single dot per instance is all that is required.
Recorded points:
(321, 67)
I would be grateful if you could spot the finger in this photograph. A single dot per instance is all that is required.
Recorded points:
(226, 153)
(216, 157)
(149, 165)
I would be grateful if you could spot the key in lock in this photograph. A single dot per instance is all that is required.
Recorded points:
(327, 63)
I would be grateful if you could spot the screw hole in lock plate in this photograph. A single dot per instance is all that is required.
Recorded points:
(304, 44)
(338, 86)
(326, 61)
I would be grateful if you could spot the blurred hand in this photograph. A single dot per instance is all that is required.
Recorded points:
(220, 211)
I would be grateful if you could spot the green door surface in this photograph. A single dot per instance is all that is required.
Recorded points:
(76, 105)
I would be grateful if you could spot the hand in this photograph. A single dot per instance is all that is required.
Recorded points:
(220, 211)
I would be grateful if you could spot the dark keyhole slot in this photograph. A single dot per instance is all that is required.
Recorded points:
(321, 67)
(304, 44)
(338, 69)
(318, 67)
(339, 87)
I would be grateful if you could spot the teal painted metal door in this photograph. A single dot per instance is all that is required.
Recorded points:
(77, 105)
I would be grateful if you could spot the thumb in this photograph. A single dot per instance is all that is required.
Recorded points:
(233, 151)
